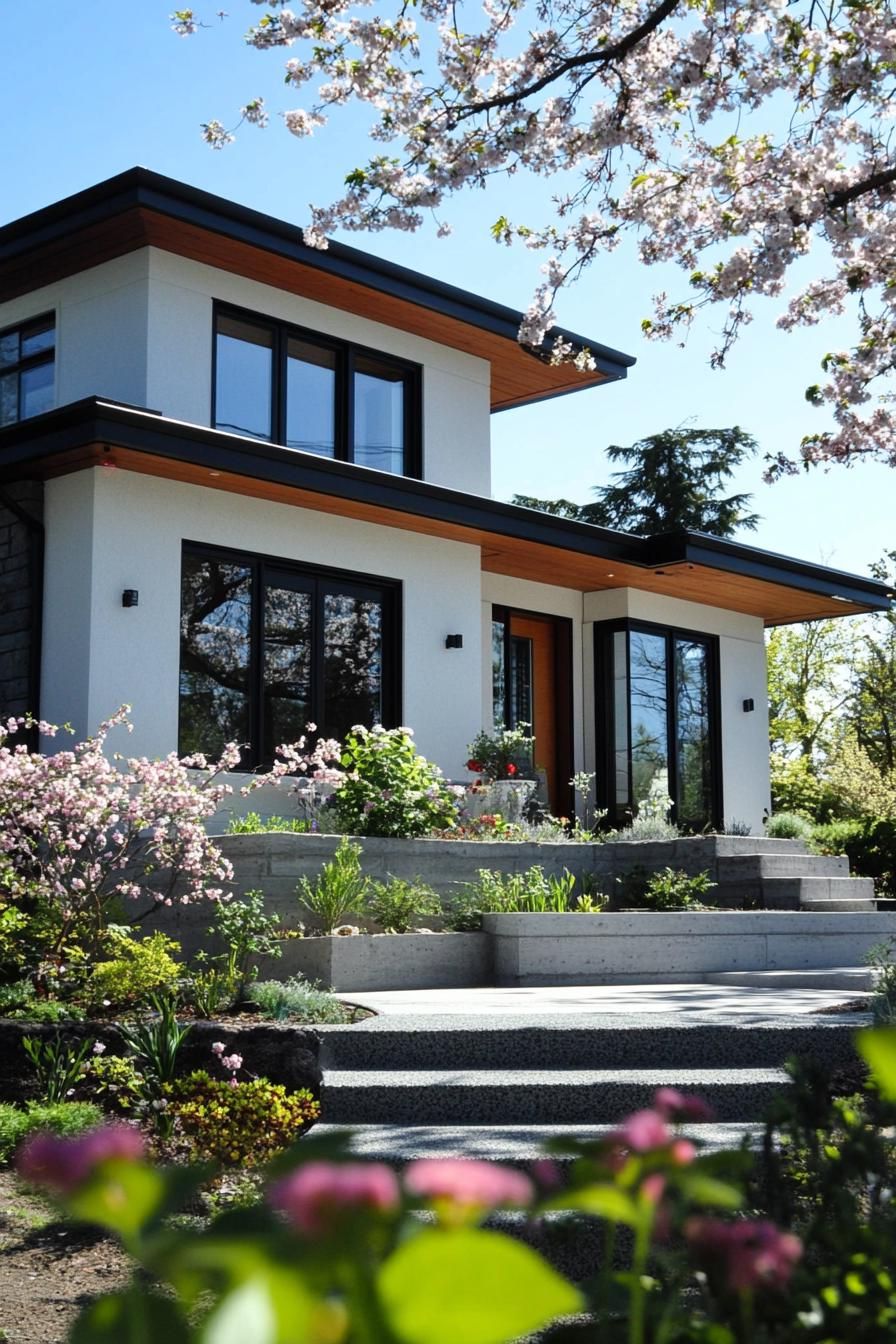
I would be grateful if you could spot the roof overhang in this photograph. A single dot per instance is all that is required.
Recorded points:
(140, 209)
(515, 541)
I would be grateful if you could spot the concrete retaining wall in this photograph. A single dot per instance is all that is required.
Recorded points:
(387, 961)
(664, 948)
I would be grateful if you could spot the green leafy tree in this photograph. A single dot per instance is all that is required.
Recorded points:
(873, 709)
(672, 481)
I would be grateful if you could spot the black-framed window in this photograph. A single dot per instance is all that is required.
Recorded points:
(27, 369)
(267, 647)
(310, 392)
(658, 722)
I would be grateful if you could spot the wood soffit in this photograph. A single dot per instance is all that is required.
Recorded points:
(517, 376)
(774, 603)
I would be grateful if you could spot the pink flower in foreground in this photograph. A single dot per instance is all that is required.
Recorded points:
(64, 1164)
(752, 1253)
(675, 1105)
(468, 1183)
(316, 1195)
(641, 1132)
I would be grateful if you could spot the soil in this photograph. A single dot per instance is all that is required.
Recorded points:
(49, 1269)
(850, 1006)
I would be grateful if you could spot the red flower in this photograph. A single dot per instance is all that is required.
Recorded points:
(473, 765)
(511, 769)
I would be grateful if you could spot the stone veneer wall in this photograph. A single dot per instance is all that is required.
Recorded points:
(18, 596)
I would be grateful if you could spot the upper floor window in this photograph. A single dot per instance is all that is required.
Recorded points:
(27, 364)
(319, 395)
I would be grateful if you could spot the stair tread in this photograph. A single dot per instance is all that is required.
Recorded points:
(506, 1143)
(490, 1078)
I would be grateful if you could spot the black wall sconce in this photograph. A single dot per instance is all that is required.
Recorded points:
(130, 597)
(454, 641)
(749, 706)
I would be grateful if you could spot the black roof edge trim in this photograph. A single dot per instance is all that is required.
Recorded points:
(95, 420)
(142, 187)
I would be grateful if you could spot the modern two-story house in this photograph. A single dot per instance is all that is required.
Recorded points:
(244, 485)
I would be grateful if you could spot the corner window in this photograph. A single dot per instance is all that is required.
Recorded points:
(315, 394)
(658, 723)
(27, 369)
(267, 647)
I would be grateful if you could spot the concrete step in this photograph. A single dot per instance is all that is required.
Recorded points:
(514, 1145)
(581, 1041)
(535, 1097)
(823, 905)
(755, 867)
(793, 893)
(855, 979)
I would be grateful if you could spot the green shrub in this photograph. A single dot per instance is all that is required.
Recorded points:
(388, 789)
(882, 960)
(339, 889)
(788, 826)
(531, 892)
(19, 1000)
(506, 753)
(58, 1065)
(62, 1117)
(870, 845)
(245, 1125)
(138, 968)
(395, 904)
(298, 1001)
(114, 1080)
(668, 889)
(248, 932)
(254, 824)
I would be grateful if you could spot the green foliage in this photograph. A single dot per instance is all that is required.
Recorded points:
(156, 1045)
(796, 785)
(298, 1001)
(506, 753)
(116, 1081)
(788, 826)
(531, 892)
(248, 933)
(882, 960)
(19, 1000)
(60, 1117)
(646, 826)
(674, 481)
(339, 890)
(254, 824)
(870, 845)
(137, 968)
(58, 1065)
(388, 789)
(860, 787)
(212, 991)
(395, 904)
(668, 889)
(245, 1125)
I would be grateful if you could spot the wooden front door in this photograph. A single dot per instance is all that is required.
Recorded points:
(536, 689)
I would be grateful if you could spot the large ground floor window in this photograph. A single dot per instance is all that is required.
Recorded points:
(657, 722)
(266, 647)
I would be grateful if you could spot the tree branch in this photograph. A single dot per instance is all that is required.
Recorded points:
(885, 178)
(603, 56)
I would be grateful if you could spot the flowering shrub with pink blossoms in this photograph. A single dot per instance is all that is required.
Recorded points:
(337, 1252)
(81, 830)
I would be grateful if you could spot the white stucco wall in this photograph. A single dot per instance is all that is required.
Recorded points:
(110, 529)
(101, 329)
(455, 385)
(742, 676)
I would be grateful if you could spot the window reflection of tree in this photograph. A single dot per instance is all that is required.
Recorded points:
(649, 734)
(353, 663)
(692, 732)
(215, 620)
(287, 665)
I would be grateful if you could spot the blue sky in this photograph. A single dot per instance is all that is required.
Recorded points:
(97, 89)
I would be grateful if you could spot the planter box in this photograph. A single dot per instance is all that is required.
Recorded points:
(637, 948)
(387, 961)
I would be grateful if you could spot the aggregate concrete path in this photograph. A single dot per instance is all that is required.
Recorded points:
(765, 996)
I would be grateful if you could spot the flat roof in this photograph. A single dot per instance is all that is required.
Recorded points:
(517, 541)
(140, 208)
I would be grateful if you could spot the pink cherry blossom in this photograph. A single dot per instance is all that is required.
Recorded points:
(63, 1164)
(317, 1196)
(642, 1132)
(674, 1105)
(468, 1183)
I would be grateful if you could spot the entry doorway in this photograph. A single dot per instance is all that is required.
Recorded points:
(532, 684)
